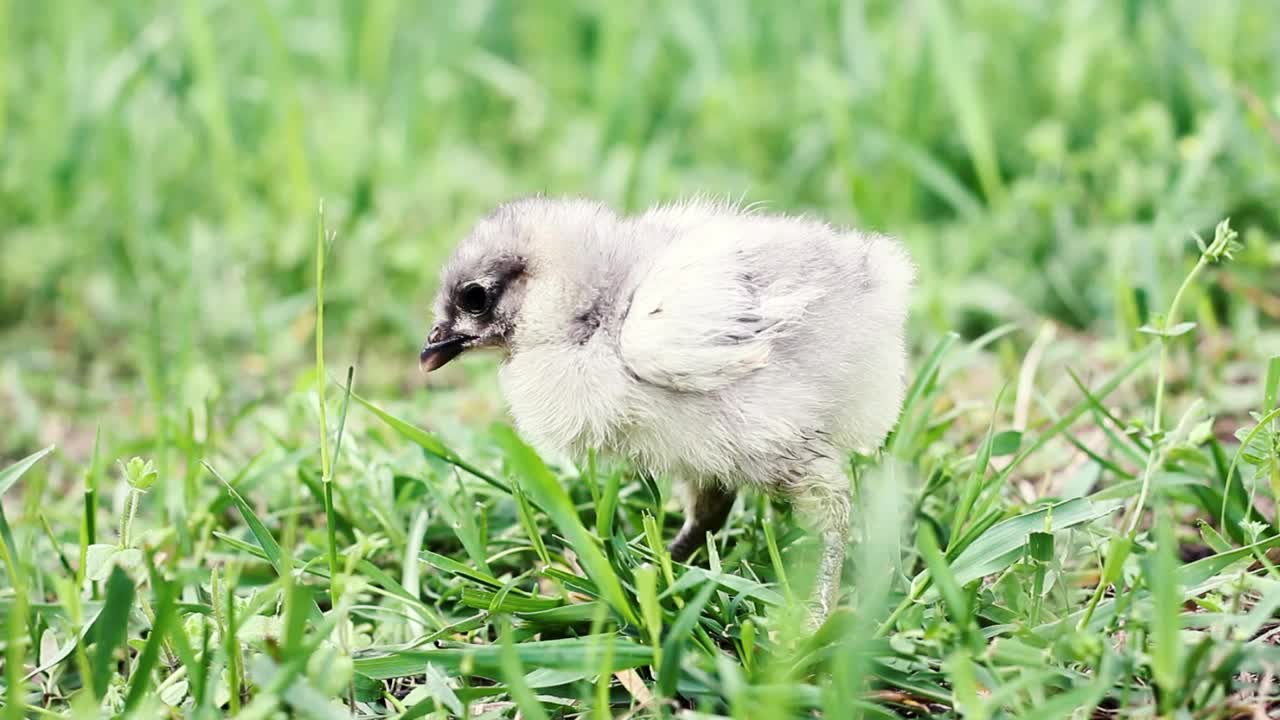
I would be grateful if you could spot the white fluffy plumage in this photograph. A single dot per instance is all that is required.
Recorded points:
(723, 347)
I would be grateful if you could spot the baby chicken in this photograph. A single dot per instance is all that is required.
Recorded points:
(726, 348)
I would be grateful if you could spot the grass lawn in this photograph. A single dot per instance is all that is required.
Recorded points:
(225, 489)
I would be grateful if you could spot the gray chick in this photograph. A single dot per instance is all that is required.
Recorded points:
(721, 347)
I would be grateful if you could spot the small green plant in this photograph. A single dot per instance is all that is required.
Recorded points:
(140, 475)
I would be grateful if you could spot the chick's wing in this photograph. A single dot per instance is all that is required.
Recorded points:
(709, 312)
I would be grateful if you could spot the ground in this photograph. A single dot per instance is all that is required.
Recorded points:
(1075, 516)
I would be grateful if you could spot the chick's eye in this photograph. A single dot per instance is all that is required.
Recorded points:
(473, 299)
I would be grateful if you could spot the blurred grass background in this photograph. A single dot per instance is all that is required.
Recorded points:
(1047, 162)
(162, 162)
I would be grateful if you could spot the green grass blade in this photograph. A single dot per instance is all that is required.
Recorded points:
(1263, 424)
(429, 443)
(464, 526)
(181, 644)
(646, 577)
(8, 478)
(546, 491)
(1000, 545)
(608, 503)
(260, 532)
(140, 683)
(943, 578)
(1271, 389)
(513, 674)
(1138, 360)
(9, 554)
(973, 486)
(924, 377)
(958, 75)
(11, 474)
(453, 567)
(265, 539)
(1194, 577)
(15, 626)
(744, 587)
(571, 654)
(330, 516)
(111, 628)
(1122, 444)
(1166, 643)
(525, 514)
(678, 639)
(89, 519)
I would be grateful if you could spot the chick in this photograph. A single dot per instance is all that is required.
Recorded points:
(724, 348)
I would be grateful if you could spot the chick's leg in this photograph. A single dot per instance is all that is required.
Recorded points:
(706, 507)
(824, 504)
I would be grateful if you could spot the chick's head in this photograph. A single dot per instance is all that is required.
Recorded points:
(484, 294)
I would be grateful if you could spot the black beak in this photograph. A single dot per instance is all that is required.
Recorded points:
(441, 347)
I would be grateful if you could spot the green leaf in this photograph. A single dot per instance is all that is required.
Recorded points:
(1271, 389)
(927, 373)
(1162, 578)
(1117, 552)
(964, 684)
(573, 654)
(575, 614)
(1040, 547)
(1194, 578)
(1006, 443)
(453, 567)
(260, 532)
(1180, 329)
(140, 474)
(438, 688)
(608, 500)
(673, 647)
(66, 650)
(366, 569)
(463, 524)
(1130, 446)
(696, 577)
(1245, 442)
(976, 481)
(513, 674)
(1001, 544)
(111, 628)
(10, 475)
(546, 491)
(524, 512)
(510, 602)
(650, 610)
(1262, 613)
(943, 579)
(100, 558)
(140, 683)
(1212, 537)
(9, 552)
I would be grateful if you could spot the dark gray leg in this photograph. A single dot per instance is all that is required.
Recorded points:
(706, 507)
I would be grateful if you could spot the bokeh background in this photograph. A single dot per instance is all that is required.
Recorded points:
(1048, 163)
(161, 164)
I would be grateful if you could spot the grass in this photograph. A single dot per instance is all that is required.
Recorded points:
(225, 490)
